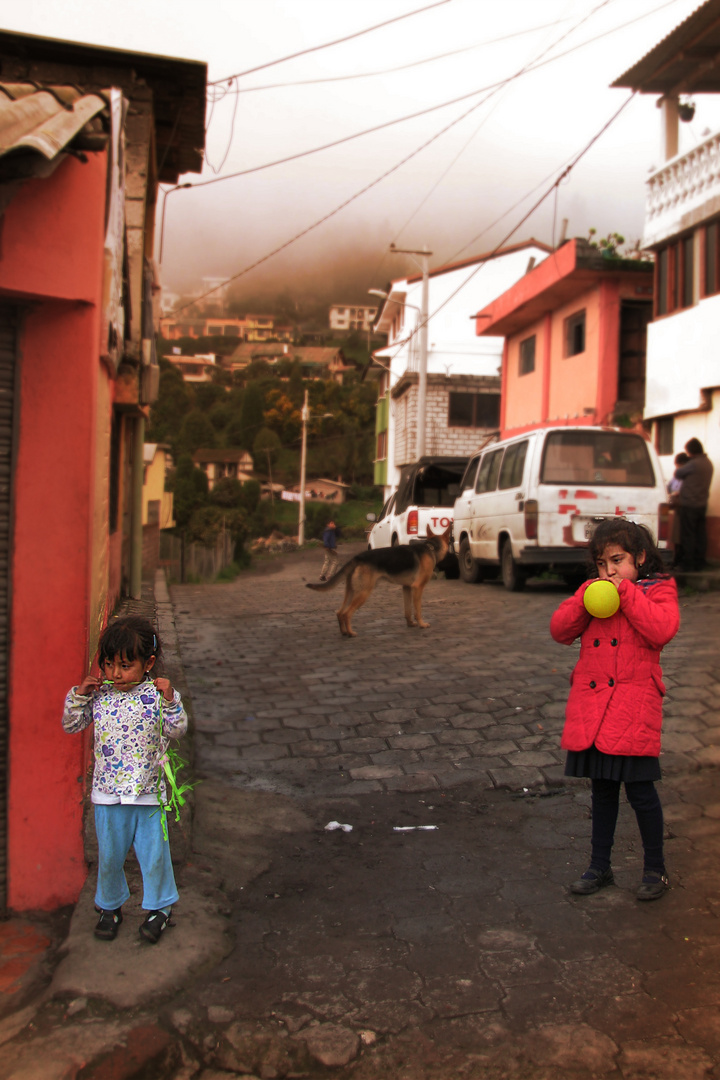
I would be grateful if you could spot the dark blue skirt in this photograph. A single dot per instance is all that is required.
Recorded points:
(598, 766)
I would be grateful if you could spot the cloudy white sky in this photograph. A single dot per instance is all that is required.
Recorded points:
(453, 194)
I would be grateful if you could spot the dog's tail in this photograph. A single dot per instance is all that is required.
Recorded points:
(343, 573)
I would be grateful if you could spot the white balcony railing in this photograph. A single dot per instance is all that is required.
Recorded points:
(679, 190)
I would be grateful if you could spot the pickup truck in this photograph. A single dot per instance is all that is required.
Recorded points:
(425, 498)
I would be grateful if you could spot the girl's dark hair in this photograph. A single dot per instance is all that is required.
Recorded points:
(632, 538)
(129, 636)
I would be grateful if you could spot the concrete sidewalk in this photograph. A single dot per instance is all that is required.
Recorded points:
(423, 954)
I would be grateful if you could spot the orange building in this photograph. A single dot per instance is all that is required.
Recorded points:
(575, 339)
(85, 135)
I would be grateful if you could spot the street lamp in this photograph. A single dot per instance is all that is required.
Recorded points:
(424, 265)
(305, 416)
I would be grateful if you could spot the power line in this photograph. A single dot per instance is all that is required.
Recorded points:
(332, 213)
(400, 67)
(563, 175)
(432, 108)
(388, 172)
(544, 52)
(329, 44)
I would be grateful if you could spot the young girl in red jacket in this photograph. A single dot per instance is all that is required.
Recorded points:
(614, 711)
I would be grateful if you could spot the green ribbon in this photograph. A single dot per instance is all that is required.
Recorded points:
(172, 764)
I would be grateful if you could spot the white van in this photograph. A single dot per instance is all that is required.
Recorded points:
(531, 503)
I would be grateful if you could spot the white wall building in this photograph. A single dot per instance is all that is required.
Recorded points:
(682, 227)
(455, 293)
(349, 317)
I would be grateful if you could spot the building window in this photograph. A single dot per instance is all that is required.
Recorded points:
(575, 334)
(665, 434)
(474, 410)
(675, 279)
(381, 446)
(687, 247)
(711, 285)
(153, 512)
(662, 273)
(527, 355)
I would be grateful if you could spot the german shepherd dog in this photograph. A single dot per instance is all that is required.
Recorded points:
(409, 565)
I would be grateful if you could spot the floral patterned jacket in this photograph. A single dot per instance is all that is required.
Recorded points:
(131, 732)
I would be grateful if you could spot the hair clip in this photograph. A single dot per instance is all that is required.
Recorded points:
(154, 642)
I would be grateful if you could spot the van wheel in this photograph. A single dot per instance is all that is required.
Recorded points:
(469, 567)
(512, 575)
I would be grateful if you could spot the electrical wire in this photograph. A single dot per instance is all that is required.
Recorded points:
(230, 137)
(462, 150)
(388, 172)
(332, 213)
(432, 108)
(400, 67)
(329, 44)
(563, 175)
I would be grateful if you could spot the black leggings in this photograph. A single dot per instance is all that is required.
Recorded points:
(645, 801)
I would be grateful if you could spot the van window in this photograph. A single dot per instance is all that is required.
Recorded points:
(488, 471)
(607, 458)
(511, 473)
(468, 479)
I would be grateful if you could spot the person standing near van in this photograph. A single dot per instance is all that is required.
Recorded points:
(614, 711)
(696, 475)
(329, 539)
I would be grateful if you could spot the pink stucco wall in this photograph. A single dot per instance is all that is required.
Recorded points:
(52, 256)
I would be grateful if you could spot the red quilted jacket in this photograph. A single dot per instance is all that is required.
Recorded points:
(616, 689)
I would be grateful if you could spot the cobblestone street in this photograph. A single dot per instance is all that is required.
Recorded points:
(284, 703)
(426, 953)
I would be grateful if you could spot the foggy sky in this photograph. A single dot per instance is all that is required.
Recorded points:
(506, 147)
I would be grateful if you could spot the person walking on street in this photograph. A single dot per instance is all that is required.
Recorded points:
(696, 475)
(134, 715)
(614, 711)
(329, 539)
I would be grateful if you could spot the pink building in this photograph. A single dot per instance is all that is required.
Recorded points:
(86, 134)
(575, 339)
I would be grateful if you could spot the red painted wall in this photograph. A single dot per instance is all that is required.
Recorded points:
(52, 249)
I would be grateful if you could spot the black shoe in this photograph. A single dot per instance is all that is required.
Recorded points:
(591, 881)
(653, 886)
(154, 925)
(107, 924)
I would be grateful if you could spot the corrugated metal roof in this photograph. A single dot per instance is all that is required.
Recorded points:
(686, 61)
(177, 88)
(42, 120)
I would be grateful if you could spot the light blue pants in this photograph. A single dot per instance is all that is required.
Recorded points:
(120, 827)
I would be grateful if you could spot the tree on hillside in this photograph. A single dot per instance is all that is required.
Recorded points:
(251, 415)
(283, 416)
(174, 401)
(196, 432)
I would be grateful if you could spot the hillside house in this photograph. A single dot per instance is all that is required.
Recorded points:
(348, 317)
(199, 368)
(574, 330)
(86, 135)
(173, 327)
(218, 464)
(459, 416)
(682, 228)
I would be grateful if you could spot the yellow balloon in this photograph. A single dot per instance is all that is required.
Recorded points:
(601, 599)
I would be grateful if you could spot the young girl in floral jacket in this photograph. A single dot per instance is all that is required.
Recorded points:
(614, 711)
(134, 716)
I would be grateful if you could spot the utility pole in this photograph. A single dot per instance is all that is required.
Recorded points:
(305, 414)
(424, 265)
